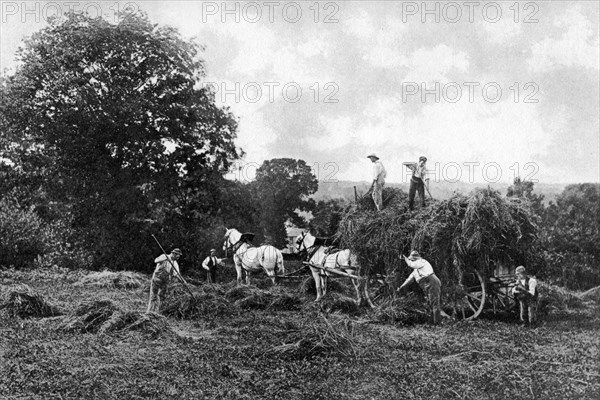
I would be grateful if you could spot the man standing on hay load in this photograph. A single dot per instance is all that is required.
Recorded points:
(526, 293)
(379, 175)
(423, 274)
(417, 181)
(166, 268)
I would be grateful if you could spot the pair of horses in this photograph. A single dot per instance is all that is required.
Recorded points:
(248, 258)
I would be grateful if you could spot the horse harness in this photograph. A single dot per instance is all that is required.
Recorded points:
(235, 246)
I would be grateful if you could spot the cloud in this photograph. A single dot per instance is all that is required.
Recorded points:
(501, 32)
(433, 64)
(338, 133)
(577, 47)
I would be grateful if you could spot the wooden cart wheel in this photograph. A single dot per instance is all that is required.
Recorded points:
(467, 299)
(376, 290)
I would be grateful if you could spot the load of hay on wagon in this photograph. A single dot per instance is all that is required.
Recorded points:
(480, 230)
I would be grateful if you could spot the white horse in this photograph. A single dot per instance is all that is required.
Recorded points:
(341, 260)
(251, 259)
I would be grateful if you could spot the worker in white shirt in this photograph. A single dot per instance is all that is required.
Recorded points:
(210, 264)
(423, 274)
(525, 291)
(417, 182)
(379, 175)
(166, 268)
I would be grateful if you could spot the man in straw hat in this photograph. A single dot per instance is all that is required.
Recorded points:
(210, 264)
(417, 181)
(166, 268)
(525, 291)
(379, 175)
(423, 274)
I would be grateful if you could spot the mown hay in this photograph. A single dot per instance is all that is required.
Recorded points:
(338, 302)
(333, 285)
(202, 305)
(24, 302)
(104, 317)
(256, 299)
(407, 310)
(286, 301)
(323, 337)
(479, 230)
(90, 316)
(554, 298)
(591, 295)
(109, 279)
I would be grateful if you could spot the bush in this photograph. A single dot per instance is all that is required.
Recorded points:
(23, 235)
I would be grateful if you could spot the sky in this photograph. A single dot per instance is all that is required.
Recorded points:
(485, 90)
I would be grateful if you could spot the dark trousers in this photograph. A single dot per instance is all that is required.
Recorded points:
(211, 275)
(431, 285)
(416, 184)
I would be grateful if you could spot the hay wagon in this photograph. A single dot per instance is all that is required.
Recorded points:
(466, 298)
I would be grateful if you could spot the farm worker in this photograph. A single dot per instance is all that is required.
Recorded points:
(526, 293)
(210, 264)
(166, 268)
(379, 175)
(423, 274)
(417, 181)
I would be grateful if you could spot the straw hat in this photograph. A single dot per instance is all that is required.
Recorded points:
(414, 255)
(373, 155)
(176, 251)
(520, 270)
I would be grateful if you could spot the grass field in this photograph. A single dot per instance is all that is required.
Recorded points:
(234, 348)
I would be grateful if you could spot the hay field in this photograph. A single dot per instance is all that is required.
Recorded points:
(275, 343)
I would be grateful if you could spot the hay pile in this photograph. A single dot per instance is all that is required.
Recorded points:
(591, 295)
(199, 306)
(117, 280)
(477, 230)
(407, 310)
(322, 337)
(24, 302)
(554, 298)
(104, 317)
(333, 285)
(336, 302)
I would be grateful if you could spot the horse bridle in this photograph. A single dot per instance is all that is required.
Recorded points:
(309, 253)
(231, 246)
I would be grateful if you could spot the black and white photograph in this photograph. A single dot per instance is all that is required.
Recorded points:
(303, 200)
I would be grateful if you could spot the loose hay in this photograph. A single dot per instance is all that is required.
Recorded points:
(24, 302)
(319, 338)
(109, 279)
(555, 298)
(591, 295)
(286, 301)
(481, 230)
(407, 310)
(202, 305)
(338, 302)
(104, 317)
(256, 299)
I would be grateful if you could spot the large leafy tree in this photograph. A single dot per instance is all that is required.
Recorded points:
(327, 215)
(281, 188)
(110, 122)
(571, 233)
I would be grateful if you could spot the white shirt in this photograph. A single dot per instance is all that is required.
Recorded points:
(379, 173)
(420, 171)
(207, 260)
(163, 263)
(422, 269)
(532, 285)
